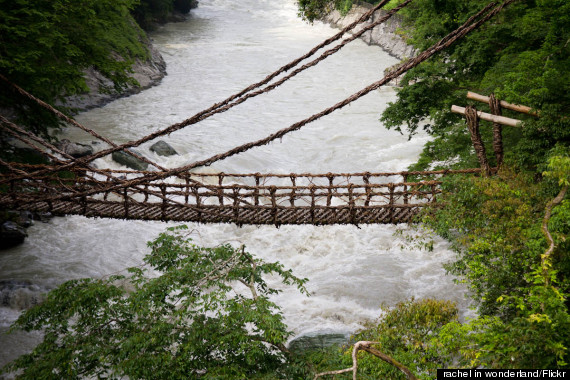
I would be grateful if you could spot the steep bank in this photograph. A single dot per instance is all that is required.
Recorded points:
(147, 73)
(384, 35)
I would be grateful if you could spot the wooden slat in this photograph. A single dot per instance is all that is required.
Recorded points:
(488, 117)
(514, 107)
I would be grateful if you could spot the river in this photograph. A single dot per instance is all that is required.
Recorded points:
(224, 46)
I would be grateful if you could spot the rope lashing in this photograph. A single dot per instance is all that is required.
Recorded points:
(473, 125)
(495, 106)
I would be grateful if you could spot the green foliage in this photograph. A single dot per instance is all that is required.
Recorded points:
(406, 333)
(496, 226)
(206, 315)
(522, 56)
(312, 10)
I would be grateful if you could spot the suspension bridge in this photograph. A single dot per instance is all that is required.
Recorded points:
(73, 186)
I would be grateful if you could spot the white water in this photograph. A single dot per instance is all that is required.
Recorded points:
(224, 46)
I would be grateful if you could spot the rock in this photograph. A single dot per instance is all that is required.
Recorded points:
(75, 150)
(316, 342)
(385, 35)
(11, 234)
(22, 218)
(147, 73)
(163, 149)
(43, 217)
(128, 160)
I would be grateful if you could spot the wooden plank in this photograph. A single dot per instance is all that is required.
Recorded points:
(510, 106)
(487, 116)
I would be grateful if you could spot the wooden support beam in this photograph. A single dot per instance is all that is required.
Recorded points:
(487, 116)
(513, 107)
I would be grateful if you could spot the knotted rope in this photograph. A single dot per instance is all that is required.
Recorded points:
(495, 105)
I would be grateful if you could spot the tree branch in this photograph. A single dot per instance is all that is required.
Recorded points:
(551, 245)
(365, 346)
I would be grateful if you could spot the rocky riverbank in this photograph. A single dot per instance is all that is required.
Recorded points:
(147, 73)
(385, 35)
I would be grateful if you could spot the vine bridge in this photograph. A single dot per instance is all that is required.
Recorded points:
(73, 186)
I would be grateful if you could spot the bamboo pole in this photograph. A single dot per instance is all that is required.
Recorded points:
(488, 117)
(513, 107)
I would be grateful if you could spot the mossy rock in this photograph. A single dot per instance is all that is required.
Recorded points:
(126, 159)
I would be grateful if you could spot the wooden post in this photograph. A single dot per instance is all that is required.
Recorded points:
(351, 204)
(186, 191)
(220, 189)
(236, 205)
(473, 125)
(405, 178)
(391, 209)
(292, 196)
(256, 191)
(366, 179)
(329, 196)
(125, 197)
(312, 188)
(272, 191)
(163, 190)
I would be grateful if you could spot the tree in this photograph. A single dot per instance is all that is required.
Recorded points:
(206, 315)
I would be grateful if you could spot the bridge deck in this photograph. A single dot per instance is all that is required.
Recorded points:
(274, 199)
(244, 214)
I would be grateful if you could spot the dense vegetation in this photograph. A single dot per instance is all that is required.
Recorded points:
(46, 45)
(207, 314)
(511, 231)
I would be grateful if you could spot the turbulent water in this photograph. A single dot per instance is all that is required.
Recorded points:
(224, 46)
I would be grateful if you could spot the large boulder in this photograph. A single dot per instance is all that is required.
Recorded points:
(75, 150)
(126, 159)
(317, 342)
(162, 148)
(22, 218)
(11, 234)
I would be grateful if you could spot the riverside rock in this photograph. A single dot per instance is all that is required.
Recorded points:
(384, 35)
(11, 234)
(147, 73)
(126, 159)
(74, 149)
(162, 148)
(316, 342)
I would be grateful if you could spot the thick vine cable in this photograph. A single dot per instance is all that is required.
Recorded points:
(483, 16)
